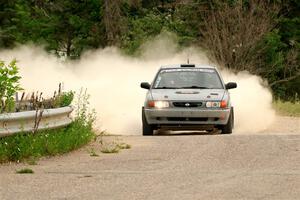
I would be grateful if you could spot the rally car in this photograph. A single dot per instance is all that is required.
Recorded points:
(188, 97)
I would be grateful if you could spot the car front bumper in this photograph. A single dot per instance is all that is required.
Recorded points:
(187, 116)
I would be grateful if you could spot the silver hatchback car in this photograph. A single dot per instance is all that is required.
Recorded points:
(187, 97)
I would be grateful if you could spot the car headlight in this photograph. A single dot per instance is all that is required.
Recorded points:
(158, 104)
(216, 104)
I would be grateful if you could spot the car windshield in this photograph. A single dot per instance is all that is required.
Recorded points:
(200, 78)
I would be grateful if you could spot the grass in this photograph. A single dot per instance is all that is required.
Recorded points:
(123, 146)
(93, 153)
(25, 171)
(114, 147)
(31, 161)
(110, 149)
(22, 147)
(287, 108)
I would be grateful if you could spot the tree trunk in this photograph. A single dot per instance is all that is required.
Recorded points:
(113, 21)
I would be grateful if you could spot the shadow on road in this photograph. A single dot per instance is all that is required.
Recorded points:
(185, 133)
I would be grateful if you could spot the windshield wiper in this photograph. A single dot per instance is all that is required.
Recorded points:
(166, 87)
(194, 86)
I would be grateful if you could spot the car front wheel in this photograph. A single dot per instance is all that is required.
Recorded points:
(147, 128)
(227, 129)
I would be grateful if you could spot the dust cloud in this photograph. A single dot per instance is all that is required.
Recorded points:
(113, 80)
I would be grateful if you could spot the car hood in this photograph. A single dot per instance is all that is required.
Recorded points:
(188, 94)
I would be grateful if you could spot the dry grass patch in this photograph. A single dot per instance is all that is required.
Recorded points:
(287, 108)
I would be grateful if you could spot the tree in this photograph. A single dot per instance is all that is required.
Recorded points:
(231, 32)
(65, 27)
(113, 21)
(261, 37)
(7, 13)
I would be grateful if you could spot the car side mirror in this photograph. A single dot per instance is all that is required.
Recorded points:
(145, 85)
(230, 85)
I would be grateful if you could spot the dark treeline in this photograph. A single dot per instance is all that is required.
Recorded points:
(262, 37)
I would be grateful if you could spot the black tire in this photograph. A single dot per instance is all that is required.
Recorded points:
(147, 128)
(227, 129)
(232, 113)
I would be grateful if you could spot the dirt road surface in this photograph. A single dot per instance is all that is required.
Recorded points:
(239, 166)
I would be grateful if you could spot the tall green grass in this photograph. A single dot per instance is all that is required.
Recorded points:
(287, 108)
(44, 143)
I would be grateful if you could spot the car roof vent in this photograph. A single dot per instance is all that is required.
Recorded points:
(187, 65)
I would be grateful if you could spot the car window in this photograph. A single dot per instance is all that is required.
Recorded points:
(188, 78)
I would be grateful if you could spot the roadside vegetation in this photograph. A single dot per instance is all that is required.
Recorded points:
(9, 85)
(25, 171)
(108, 146)
(287, 108)
(111, 148)
(108, 149)
(114, 147)
(30, 146)
(93, 153)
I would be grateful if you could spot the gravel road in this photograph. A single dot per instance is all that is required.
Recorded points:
(195, 166)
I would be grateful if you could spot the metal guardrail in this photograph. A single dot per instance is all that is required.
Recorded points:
(12, 123)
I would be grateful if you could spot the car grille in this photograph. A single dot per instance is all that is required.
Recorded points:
(188, 104)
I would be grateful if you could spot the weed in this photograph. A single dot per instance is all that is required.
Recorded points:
(25, 171)
(65, 99)
(112, 148)
(93, 153)
(9, 85)
(123, 146)
(32, 161)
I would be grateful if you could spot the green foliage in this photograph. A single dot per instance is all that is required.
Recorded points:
(84, 115)
(273, 55)
(150, 22)
(7, 36)
(65, 99)
(140, 29)
(281, 59)
(289, 50)
(64, 27)
(51, 142)
(9, 85)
